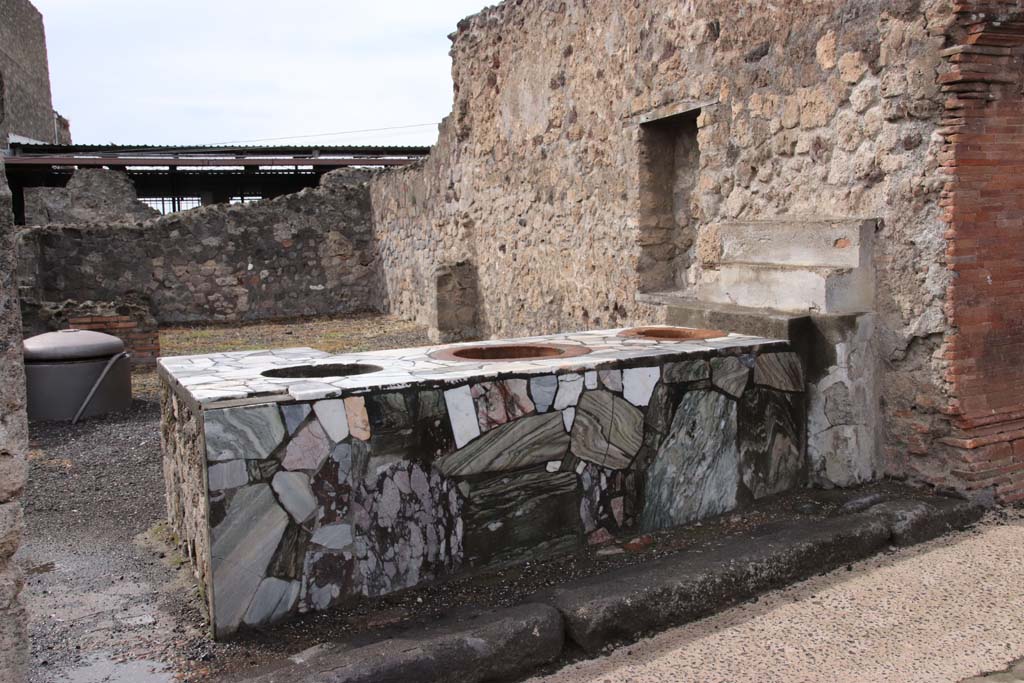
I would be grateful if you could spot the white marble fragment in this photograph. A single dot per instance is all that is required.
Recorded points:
(331, 414)
(611, 379)
(638, 384)
(462, 413)
(590, 379)
(334, 536)
(553, 465)
(568, 415)
(570, 387)
(543, 391)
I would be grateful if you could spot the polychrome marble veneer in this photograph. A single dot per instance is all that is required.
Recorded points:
(294, 491)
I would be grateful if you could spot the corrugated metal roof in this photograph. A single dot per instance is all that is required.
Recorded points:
(45, 149)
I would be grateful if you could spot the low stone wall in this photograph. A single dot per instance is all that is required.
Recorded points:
(92, 195)
(13, 448)
(184, 464)
(309, 253)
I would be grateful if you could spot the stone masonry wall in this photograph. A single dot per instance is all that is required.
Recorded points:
(805, 110)
(92, 195)
(308, 253)
(13, 447)
(26, 108)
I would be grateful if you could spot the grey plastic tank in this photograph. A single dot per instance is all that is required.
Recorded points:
(71, 374)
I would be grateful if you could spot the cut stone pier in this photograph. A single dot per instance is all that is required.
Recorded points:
(363, 474)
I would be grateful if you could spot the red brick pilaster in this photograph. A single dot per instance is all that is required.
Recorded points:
(983, 200)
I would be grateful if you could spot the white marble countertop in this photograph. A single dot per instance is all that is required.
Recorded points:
(235, 378)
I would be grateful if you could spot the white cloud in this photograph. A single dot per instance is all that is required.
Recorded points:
(201, 72)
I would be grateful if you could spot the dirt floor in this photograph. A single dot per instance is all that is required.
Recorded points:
(110, 601)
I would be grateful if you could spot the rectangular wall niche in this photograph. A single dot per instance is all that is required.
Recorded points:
(669, 166)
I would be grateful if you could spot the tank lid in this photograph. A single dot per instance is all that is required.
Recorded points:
(71, 345)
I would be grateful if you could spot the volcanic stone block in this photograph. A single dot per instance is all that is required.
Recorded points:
(251, 432)
(695, 472)
(525, 442)
(519, 515)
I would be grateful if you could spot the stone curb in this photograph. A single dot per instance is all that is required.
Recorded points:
(620, 607)
(465, 648)
(612, 609)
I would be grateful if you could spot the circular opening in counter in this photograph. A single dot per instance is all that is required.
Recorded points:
(672, 333)
(499, 352)
(325, 370)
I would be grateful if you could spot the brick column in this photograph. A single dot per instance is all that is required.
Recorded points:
(13, 446)
(983, 199)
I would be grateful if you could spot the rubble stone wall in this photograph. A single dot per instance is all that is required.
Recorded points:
(308, 253)
(13, 448)
(92, 195)
(826, 109)
(26, 108)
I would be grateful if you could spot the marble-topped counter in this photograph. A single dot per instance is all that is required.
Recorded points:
(236, 378)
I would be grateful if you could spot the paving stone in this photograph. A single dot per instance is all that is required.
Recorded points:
(470, 646)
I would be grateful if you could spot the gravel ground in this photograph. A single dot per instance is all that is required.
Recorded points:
(107, 600)
(935, 613)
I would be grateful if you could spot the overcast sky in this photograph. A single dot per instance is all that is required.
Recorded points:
(215, 71)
